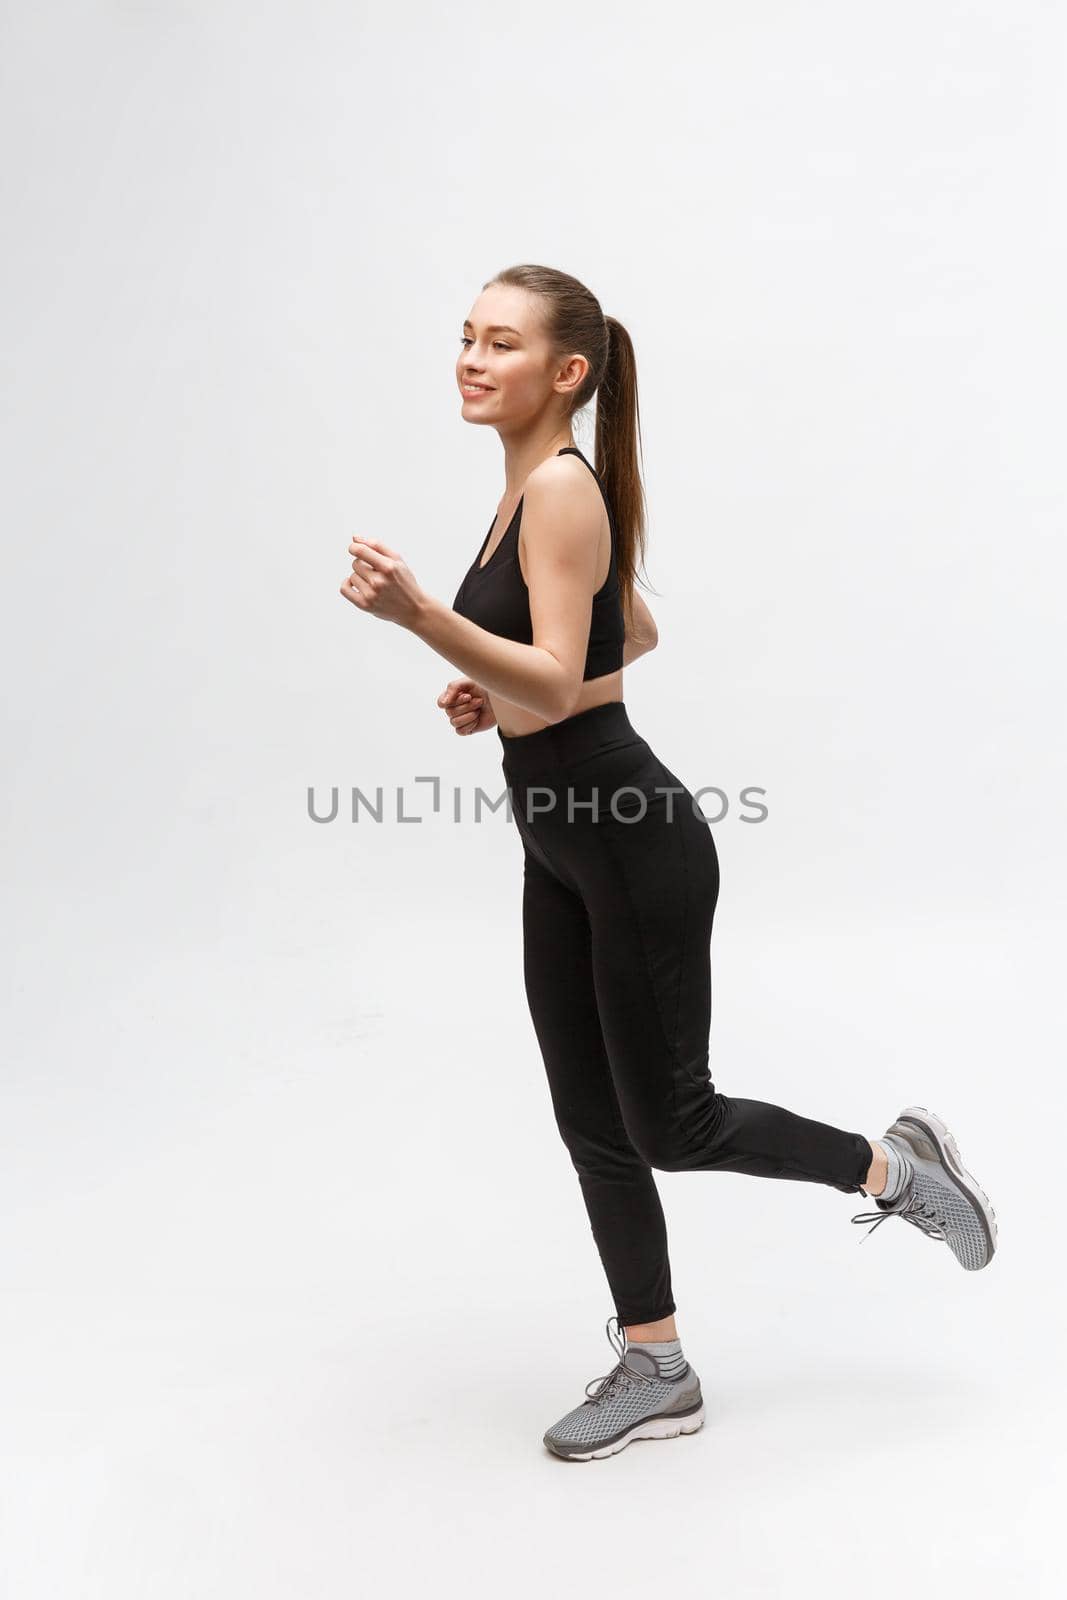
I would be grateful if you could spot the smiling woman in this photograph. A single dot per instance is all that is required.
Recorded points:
(620, 869)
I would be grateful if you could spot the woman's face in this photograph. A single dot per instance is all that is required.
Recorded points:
(504, 369)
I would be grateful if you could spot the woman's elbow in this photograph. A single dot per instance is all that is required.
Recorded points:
(567, 704)
(639, 644)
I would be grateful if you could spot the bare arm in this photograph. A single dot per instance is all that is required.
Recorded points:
(561, 549)
(526, 674)
(642, 636)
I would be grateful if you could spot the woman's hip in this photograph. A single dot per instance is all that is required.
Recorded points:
(591, 791)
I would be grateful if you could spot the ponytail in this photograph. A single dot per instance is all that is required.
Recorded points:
(574, 322)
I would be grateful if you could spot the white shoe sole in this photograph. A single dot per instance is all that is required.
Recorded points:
(931, 1125)
(653, 1428)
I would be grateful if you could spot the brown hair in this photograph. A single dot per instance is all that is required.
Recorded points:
(575, 324)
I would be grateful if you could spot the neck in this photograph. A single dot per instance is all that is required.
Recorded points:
(521, 456)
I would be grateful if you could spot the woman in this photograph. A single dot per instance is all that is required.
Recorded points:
(621, 871)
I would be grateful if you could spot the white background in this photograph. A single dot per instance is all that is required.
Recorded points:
(295, 1270)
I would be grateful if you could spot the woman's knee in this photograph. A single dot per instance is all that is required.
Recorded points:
(663, 1150)
(600, 1152)
(670, 1143)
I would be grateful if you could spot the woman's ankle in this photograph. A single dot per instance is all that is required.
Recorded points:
(652, 1332)
(878, 1171)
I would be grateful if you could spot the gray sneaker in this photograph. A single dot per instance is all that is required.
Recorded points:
(941, 1198)
(635, 1400)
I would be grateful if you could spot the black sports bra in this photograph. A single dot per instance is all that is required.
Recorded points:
(496, 597)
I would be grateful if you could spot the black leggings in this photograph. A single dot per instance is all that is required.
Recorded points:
(617, 915)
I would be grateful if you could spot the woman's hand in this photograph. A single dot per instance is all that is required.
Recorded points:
(382, 583)
(467, 706)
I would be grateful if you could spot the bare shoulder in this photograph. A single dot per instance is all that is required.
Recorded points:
(562, 504)
(561, 470)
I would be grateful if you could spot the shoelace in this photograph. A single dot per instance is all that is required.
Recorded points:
(913, 1210)
(612, 1381)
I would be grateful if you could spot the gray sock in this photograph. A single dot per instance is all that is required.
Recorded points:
(900, 1171)
(667, 1355)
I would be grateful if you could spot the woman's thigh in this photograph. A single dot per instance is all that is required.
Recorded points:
(561, 994)
(648, 874)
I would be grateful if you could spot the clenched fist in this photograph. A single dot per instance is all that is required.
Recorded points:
(467, 706)
(382, 583)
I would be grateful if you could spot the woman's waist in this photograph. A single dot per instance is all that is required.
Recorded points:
(598, 729)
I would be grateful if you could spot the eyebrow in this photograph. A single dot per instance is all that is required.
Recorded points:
(496, 327)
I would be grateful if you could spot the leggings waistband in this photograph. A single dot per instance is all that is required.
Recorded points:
(598, 728)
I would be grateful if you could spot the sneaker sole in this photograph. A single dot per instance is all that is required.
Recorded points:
(930, 1124)
(650, 1428)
